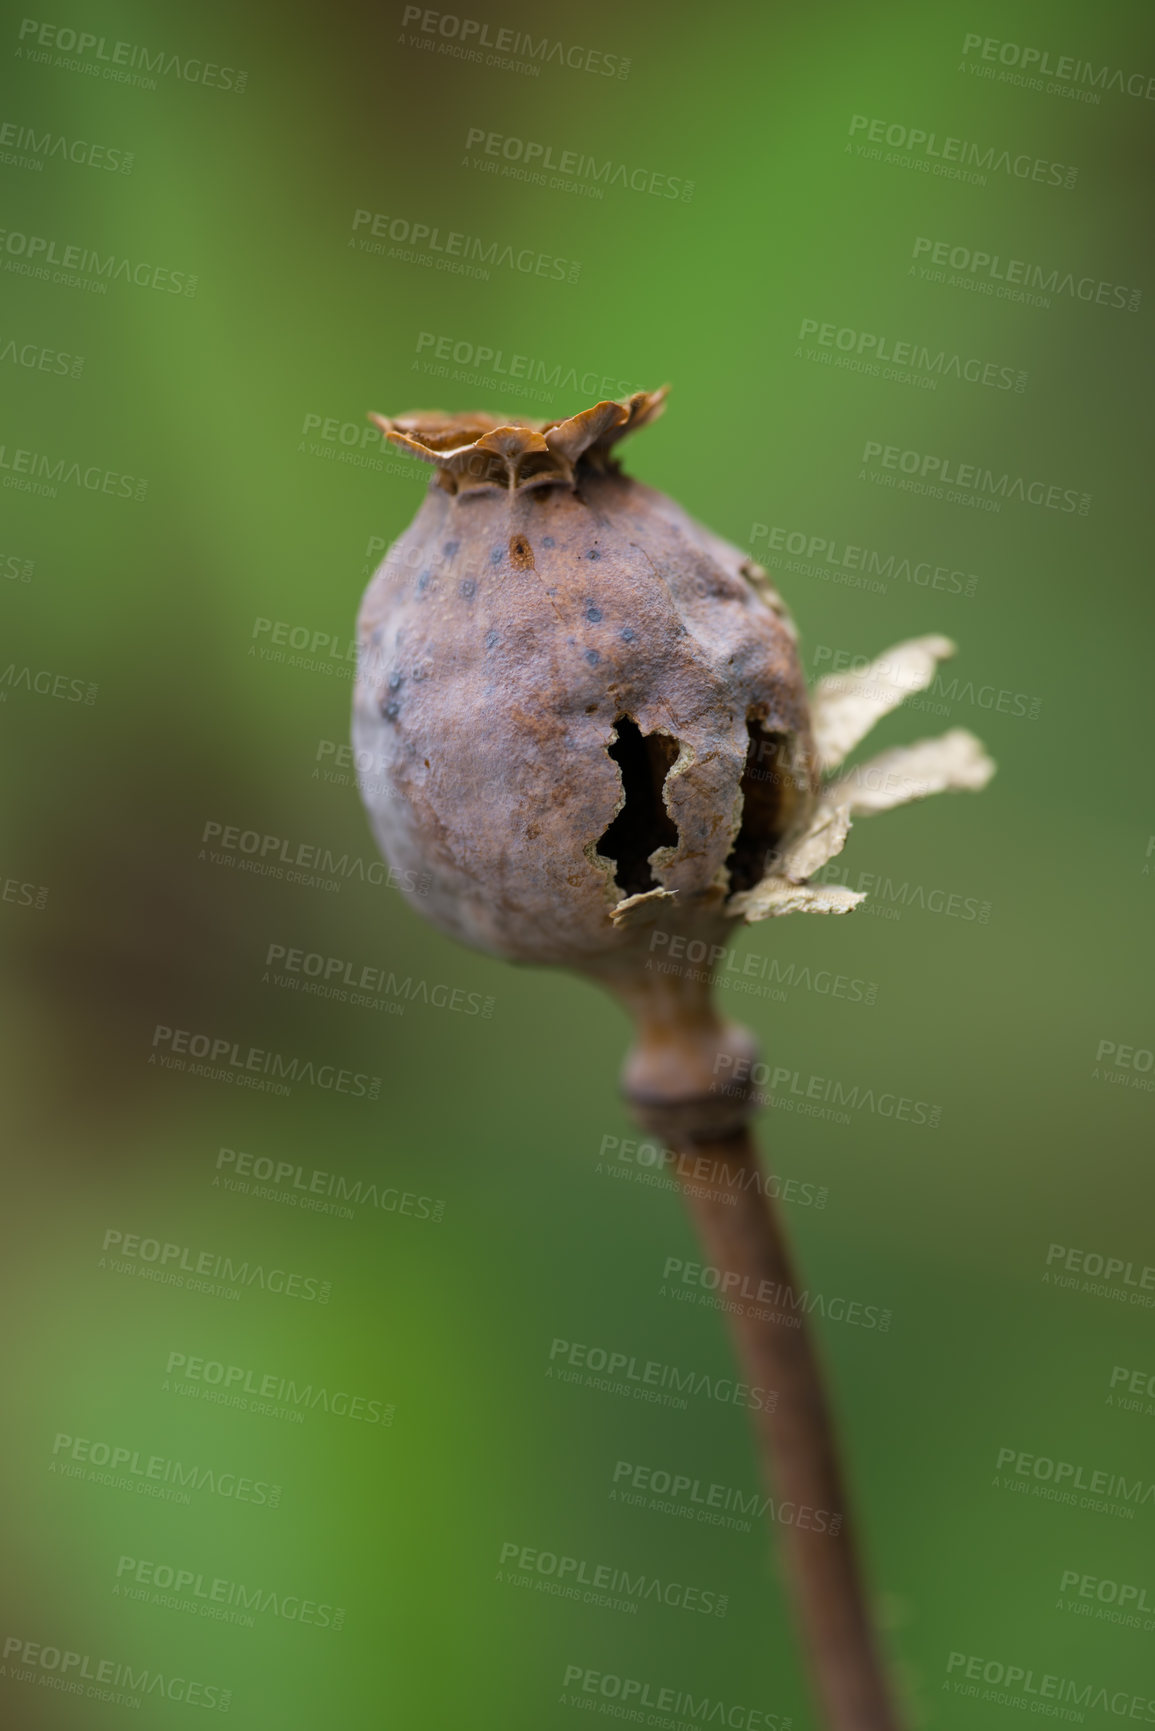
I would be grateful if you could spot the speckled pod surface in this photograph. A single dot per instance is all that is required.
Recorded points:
(578, 712)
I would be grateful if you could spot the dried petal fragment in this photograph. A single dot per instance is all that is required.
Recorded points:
(845, 706)
(643, 909)
(775, 896)
(823, 837)
(955, 760)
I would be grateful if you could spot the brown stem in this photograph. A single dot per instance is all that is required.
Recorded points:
(688, 1080)
(743, 1238)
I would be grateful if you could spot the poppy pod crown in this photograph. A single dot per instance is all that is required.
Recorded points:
(475, 451)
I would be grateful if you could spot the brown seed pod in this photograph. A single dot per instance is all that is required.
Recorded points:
(587, 727)
(588, 710)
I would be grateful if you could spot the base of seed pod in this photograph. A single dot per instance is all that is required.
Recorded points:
(661, 1084)
(688, 1071)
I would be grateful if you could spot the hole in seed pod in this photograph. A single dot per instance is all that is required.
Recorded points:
(643, 825)
(770, 799)
(520, 553)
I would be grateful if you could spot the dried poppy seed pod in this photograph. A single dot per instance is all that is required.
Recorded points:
(587, 709)
(589, 731)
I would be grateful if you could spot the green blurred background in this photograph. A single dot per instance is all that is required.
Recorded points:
(241, 404)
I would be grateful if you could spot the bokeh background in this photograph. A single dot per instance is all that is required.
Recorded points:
(153, 685)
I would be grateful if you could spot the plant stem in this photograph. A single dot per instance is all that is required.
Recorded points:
(687, 1080)
(742, 1237)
